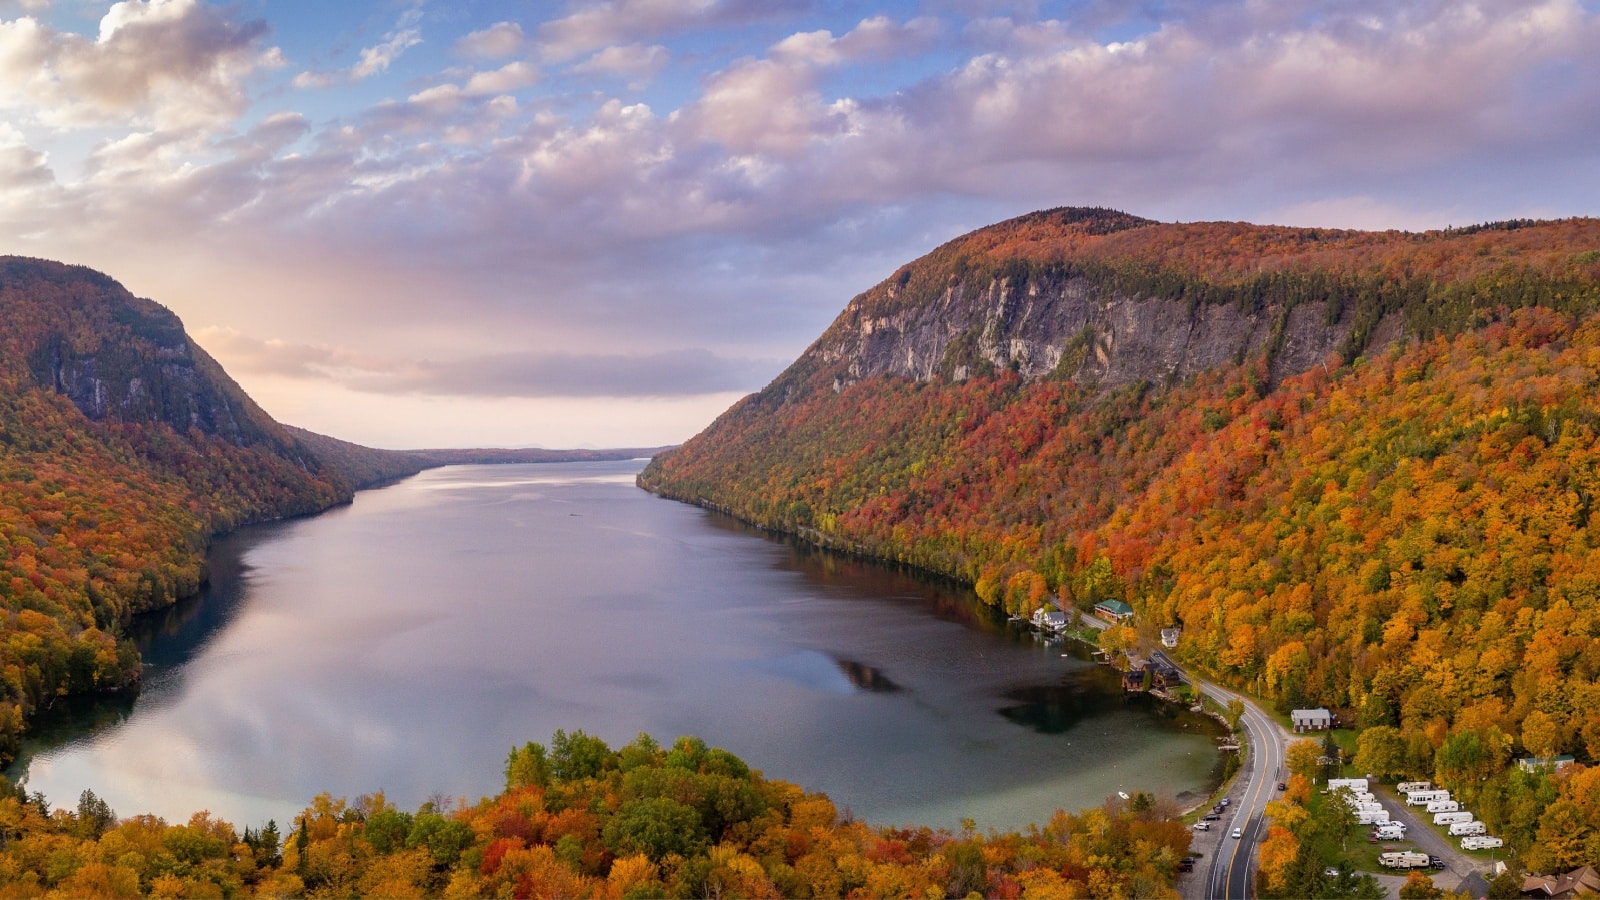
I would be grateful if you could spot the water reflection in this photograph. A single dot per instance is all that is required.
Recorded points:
(404, 643)
(866, 677)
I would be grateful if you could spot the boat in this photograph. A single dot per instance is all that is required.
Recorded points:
(1123, 794)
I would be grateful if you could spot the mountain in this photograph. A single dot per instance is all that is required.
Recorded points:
(1356, 468)
(123, 448)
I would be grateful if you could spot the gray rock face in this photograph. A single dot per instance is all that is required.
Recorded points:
(1073, 331)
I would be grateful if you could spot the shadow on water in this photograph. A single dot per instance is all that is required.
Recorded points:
(884, 581)
(866, 678)
(167, 640)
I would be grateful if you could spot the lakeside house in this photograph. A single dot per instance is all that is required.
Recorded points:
(1169, 637)
(1115, 610)
(1545, 763)
(1311, 720)
(1050, 620)
(1163, 676)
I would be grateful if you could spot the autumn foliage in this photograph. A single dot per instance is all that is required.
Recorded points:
(581, 820)
(1405, 536)
(106, 509)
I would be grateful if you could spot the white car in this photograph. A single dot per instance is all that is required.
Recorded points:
(1237, 833)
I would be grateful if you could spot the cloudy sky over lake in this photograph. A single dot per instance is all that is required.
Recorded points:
(599, 222)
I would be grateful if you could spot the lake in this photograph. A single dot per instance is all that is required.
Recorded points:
(408, 641)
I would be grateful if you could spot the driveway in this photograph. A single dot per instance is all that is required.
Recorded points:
(1461, 872)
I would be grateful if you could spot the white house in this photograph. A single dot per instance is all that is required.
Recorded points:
(1311, 719)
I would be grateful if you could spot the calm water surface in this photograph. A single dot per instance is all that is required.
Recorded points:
(405, 643)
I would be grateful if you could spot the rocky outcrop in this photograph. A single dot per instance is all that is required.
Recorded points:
(1072, 330)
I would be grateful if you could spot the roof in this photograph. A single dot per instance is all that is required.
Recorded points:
(1578, 882)
(1115, 606)
(1318, 713)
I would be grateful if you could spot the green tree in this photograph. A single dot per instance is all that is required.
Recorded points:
(1381, 750)
(656, 827)
(577, 755)
(1235, 709)
(527, 766)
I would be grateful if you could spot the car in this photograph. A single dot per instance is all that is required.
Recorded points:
(1202, 826)
(1282, 786)
(1186, 864)
(1331, 872)
(1238, 833)
(1210, 817)
(1435, 862)
(1225, 802)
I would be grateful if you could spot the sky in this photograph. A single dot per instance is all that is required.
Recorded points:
(597, 223)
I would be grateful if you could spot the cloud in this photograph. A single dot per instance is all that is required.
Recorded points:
(375, 59)
(876, 39)
(637, 62)
(675, 373)
(498, 41)
(166, 64)
(609, 22)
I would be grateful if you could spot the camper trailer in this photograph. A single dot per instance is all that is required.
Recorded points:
(1481, 842)
(1372, 817)
(1389, 831)
(1406, 787)
(1463, 829)
(1451, 818)
(1403, 859)
(1354, 785)
(1443, 806)
(1423, 798)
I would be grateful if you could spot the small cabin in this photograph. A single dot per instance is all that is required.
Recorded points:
(1169, 637)
(1311, 720)
(1162, 675)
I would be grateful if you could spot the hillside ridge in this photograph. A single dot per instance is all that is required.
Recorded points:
(1384, 510)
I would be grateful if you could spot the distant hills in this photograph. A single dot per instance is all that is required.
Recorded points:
(124, 447)
(1356, 468)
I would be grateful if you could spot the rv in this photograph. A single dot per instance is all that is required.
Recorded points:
(1406, 787)
(1354, 785)
(1451, 818)
(1363, 796)
(1389, 831)
(1359, 808)
(1372, 817)
(1481, 842)
(1461, 829)
(1443, 806)
(1403, 859)
(1423, 798)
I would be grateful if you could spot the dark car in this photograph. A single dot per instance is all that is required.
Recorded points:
(1186, 864)
(1282, 786)
(1435, 862)
(1210, 817)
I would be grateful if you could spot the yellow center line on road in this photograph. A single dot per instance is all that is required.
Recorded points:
(1261, 753)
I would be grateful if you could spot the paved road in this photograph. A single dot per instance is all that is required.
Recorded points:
(1230, 877)
(1264, 766)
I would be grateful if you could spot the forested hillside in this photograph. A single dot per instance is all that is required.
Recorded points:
(582, 820)
(1399, 529)
(123, 449)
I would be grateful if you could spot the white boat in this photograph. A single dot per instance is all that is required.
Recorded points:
(1122, 794)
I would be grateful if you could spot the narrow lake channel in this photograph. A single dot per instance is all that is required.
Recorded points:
(406, 642)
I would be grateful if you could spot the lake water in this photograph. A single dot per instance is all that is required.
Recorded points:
(406, 642)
